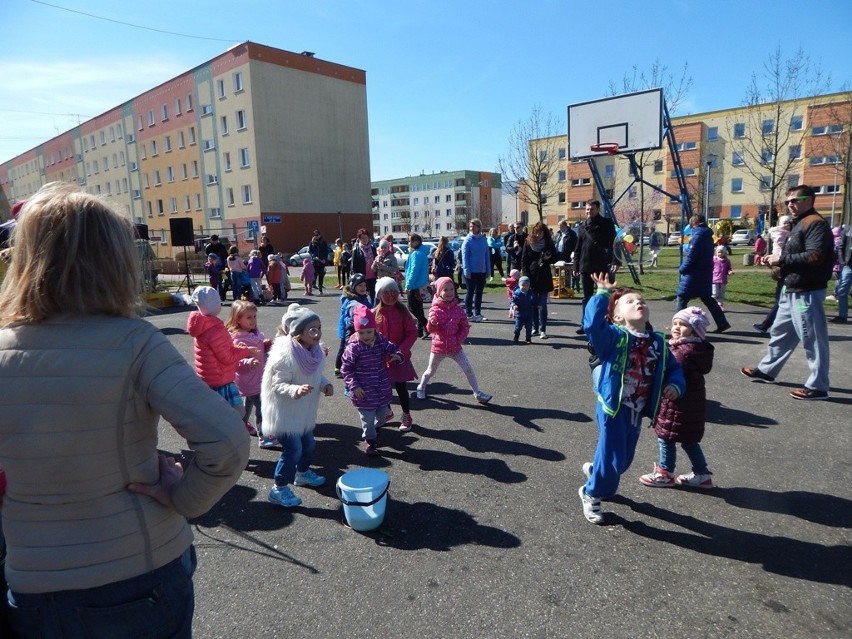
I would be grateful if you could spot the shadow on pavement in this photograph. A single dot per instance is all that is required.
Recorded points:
(777, 554)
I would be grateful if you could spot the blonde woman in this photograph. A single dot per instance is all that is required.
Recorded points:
(94, 518)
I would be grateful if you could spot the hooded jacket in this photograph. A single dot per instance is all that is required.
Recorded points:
(216, 357)
(682, 419)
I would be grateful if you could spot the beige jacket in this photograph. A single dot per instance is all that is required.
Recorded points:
(80, 401)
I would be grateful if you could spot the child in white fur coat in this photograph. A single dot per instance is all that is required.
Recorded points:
(290, 390)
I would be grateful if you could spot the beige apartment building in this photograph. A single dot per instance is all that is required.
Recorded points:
(731, 160)
(436, 204)
(256, 139)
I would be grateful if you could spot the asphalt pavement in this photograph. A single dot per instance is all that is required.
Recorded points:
(484, 534)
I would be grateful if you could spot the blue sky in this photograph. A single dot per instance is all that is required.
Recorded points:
(446, 80)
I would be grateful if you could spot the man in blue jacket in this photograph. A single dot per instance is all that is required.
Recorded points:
(476, 264)
(696, 273)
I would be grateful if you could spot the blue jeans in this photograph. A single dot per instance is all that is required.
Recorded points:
(841, 292)
(525, 323)
(801, 318)
(539, 311)
(668, 456)
(473, 296)
(297, 453)
(157, 604)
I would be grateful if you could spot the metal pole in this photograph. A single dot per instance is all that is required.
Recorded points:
(707, 190)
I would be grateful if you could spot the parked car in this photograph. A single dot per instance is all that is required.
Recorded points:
(296, 259)
(743, 237)
(674, 238)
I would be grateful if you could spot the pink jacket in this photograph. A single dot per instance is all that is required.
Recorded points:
(400, 327)
(248, 377)
(216, 357)
(448, 326)
(721, 268)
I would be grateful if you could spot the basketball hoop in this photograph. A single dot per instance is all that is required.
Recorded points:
(611, 148)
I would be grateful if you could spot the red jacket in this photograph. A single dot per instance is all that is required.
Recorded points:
(400, 327)
(448, 326)
(216, 357)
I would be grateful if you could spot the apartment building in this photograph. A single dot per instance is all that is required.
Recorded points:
(256, 139)
(436, 204)
(737, 164)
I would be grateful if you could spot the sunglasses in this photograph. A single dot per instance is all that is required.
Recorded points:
(799, 198)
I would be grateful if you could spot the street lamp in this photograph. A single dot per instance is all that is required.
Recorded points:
(711, 159)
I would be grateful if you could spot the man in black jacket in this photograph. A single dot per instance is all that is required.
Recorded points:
(841, 292)
(805, 265)
(594, 251)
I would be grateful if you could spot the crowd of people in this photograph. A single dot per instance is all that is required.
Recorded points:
(72, 563)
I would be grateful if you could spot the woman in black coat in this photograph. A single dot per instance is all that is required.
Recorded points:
(537, 255)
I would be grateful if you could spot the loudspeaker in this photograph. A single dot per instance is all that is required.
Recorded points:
(141, 231)
(181, 229)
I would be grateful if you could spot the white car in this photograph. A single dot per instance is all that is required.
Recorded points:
(674, 238)
(743, 237)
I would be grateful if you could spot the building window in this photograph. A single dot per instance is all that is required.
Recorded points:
(712, 133)
(209, 144)
(157, 180)
(609, 171)
(187, 206)
(170, 174)
(542, 155)
(238, 81)
(768, 127)
(797, 123)
(737, 159)
(561, 152)
(824, 159)
(739, 130)
(241, 120)
(212, 179)
(103, 138)
(198, 201)
(244, 157)
(220, 88)
(192, 135)
(173, 205)
(195, 168)
(658, 166)
(181, 140)
(223, 122)
(437, 199)
(827, 130)
(189, 102)
(686, 146)
(154, 151)
(164, 112)
(792, 180)
(229, 196)
(226, 160)
(795, 152)
(562, 198)
(736, 211)
(448, 198)
(206, 109)
(562, 176)
(160, 209)
(765, 183)
(177, 106)
(215, 212)
(737, 185)
(167, 143)
(766, 156)
(183, 172)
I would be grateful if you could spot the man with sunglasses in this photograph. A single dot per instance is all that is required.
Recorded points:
(804, 266)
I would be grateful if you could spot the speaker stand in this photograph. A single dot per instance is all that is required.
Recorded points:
(187, 279)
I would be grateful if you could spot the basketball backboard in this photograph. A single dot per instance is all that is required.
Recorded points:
(634, 121)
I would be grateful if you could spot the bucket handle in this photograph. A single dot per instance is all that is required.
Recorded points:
(362, 503)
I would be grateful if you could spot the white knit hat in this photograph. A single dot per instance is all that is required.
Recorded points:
(386, 283)
(297, 318)
(207, 300)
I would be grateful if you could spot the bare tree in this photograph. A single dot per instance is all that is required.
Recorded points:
(840, 145)
(533, 158)
(766, 138)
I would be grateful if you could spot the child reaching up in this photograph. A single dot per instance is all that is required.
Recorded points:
(242, 325)
(636, 371)
(366, 375)
(682, 420)
(216, 355)
(449, 326)
(290, 390)
(523, 304)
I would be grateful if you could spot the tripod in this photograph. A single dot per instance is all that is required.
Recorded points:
(187, 279)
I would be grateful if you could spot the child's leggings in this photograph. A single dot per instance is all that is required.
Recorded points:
(460, 358)
(617, 438)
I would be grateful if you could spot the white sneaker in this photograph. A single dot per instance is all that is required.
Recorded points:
(478, 318)
(591, 507)
(309, 478)
(534, 331)
(421, 393)
(543, 335)
(587, 469)
(283, 496)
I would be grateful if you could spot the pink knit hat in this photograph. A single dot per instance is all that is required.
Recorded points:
(696, 318)
(441, 283)
(363, 317)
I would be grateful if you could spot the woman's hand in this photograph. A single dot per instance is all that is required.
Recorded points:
(170, 474)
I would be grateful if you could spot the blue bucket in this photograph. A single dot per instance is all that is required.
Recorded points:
(364, 493)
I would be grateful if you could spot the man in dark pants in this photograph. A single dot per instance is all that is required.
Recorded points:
(696, 273)
(215, 247)
(509, 241)
(594, 251)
